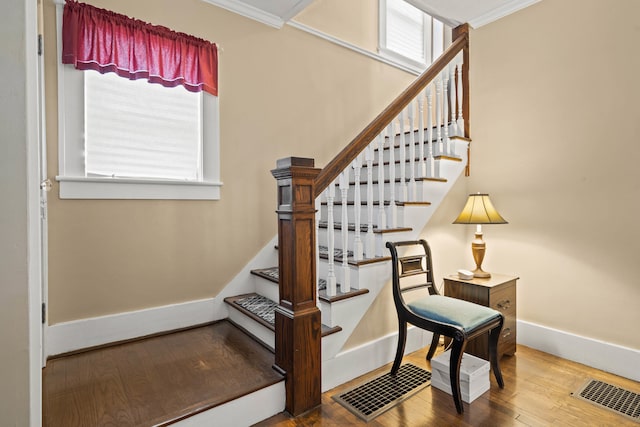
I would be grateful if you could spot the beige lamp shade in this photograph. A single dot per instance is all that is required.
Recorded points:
(479, 210)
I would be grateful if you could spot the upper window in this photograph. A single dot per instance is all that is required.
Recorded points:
(408, 35)
(131, 139)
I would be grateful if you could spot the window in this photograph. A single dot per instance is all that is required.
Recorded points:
(408, 35)
(131, 139)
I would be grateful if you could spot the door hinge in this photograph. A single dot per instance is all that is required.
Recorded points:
(44, 313)
(39, 44)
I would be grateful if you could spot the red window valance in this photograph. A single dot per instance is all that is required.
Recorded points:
(101, 40)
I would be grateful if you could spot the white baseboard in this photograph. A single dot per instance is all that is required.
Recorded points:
(244, 411)
(94, 331)
(598, 354)
(357, 361)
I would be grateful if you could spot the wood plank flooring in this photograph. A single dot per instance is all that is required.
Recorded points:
(155, 380)
(537, 392)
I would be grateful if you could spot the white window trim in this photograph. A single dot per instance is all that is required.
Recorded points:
(71, 176)
(400, 60)
(393, 55)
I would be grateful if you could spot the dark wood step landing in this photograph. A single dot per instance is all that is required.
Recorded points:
(157, 380)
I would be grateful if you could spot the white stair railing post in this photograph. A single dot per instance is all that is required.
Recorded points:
(331, 272)
(382, 217)
(439, 145)
(422, 166)
(460, 94)
(357, 243)
(318, 216)
(344, 189)
(392, 216)
(452, 102)
(445, 111)
(412, 154)
(430, 151)
(370, 240)
(402, 152)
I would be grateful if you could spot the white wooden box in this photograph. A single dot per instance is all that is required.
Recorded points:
(474, 375)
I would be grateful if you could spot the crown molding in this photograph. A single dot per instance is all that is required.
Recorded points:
(249, 11)
(500, 12)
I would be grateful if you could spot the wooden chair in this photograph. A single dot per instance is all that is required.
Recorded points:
(457, 319)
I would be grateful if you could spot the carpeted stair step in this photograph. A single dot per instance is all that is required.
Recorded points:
(262, 310)
(272, 274)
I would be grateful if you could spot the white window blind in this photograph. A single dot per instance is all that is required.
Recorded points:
(132, 131)
(406, 30)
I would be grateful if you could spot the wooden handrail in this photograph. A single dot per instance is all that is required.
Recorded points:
(339, 163)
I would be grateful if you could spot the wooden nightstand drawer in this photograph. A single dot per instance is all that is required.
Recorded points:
(497, 292)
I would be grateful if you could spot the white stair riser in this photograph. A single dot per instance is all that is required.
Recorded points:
(266, 288)
(419, 171)
(260, 332)
(428, 172)
(337, 215)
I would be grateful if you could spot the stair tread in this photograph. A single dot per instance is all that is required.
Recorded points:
(363, 227)
(273, 275)
(262, 310)
(339, 296)
(386, 181)
(375, 203)
(417, 159)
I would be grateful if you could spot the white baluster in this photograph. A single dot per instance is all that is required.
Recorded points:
(402, 151)
(370, 241)
(318, 216)
(460, 94)
(439, 147)
(331, 273)
(382, 217)
(429, 93)
(344, 189)
(422, 167)
(452, 103)
(392, 216)
(412, 154)
(445, 111)
(357, 243)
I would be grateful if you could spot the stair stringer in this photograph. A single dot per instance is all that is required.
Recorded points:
(348, 313)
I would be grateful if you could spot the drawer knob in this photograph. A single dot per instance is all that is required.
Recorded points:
(506, 332)
(504, 304)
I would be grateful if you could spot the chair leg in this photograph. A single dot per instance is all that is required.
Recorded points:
(457, 348)
(402, 338)
(494, 335)
(434, 345)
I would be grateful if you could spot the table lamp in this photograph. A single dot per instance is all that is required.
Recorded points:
(479, 210)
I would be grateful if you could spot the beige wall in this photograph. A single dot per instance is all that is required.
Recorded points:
(554, 122)
(354, 21)
(283, 93)
(555, 129)
(15, 385)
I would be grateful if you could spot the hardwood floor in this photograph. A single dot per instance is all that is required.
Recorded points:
(165, 378)
(155, 380)
(537, 392)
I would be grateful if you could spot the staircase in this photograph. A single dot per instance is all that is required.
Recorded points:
(341, 311)
(333, 224)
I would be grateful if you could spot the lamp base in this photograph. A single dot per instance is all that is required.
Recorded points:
(481, 274)
(478, 249)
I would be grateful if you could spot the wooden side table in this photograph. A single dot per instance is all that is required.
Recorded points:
(497, 292)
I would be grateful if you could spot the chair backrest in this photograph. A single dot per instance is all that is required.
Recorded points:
(418, 267)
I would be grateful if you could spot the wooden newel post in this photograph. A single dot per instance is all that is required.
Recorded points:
(298, 321)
